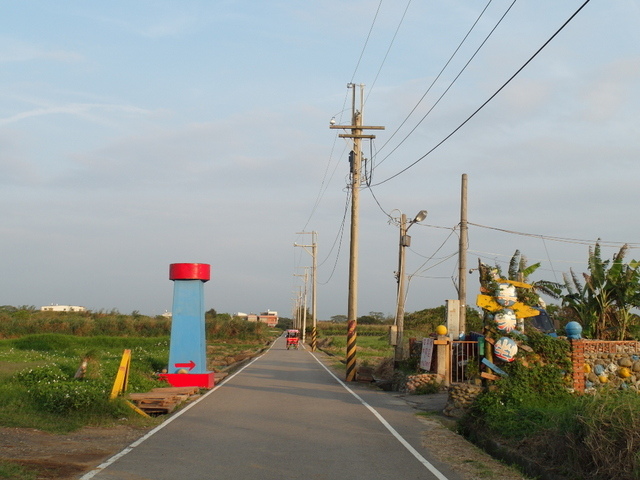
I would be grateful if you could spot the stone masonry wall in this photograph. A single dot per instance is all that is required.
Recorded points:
(598, 363)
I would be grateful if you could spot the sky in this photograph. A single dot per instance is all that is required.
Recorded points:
(134, 135)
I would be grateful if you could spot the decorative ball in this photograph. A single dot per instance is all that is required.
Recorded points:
(506, 349)
(506, 295)
(573, 330)
(441, 330)
(506, 320)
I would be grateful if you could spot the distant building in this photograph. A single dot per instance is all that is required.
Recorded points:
(62, 308)
(269, 317)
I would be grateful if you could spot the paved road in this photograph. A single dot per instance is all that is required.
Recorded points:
(284, 416)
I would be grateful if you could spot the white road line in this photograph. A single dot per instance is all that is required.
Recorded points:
(111, 460)
(388, 426)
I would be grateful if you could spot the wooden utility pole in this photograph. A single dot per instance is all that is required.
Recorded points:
(355, 157)
(462, 260)
(305, 276)
(314, 284)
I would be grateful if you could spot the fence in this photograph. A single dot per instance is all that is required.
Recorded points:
(456, 360)
(464, 361)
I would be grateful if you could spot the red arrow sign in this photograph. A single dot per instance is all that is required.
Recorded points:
(189, 365)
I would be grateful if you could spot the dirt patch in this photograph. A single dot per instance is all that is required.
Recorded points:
(64, 457)
(470, 462)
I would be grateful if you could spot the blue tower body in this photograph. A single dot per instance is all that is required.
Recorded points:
(188, 345)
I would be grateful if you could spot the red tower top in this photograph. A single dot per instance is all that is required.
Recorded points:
(190, 271)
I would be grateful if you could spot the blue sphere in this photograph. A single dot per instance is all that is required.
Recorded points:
(573, 330)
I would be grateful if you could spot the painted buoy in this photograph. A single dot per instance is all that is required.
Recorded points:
(573, 330)
(505, 320)
(506, 349)
(506, 295)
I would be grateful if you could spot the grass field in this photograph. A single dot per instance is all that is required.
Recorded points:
(38, 388)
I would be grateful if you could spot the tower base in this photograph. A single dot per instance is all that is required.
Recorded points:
(201, 380)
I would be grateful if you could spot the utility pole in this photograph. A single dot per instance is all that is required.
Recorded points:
(400, 302)
(304, 301)
(355, 158)
(405, 241)
(314, 283)
(462, 260)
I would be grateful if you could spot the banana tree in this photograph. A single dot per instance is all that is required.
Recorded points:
(605, 301)
(520, 271)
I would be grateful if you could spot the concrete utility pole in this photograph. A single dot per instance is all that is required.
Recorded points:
(304, 301)
(355, 157)
(405, 241)
(462, 260)
(314, 283)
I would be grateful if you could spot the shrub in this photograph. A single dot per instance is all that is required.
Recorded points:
(608, 426)
(45, 374)
(45, 342)
(69, 396)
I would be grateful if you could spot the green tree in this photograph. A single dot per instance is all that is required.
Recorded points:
(604, 303)
(520, 272)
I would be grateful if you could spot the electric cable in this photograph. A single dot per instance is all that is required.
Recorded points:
(451, 57)
(338, 236)
(575, 241)
(442, 95)
(364, 47)
(488, 100)
(375, 79)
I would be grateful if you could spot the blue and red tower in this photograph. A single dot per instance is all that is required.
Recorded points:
(188, 345)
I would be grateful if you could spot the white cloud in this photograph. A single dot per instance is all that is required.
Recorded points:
(13, 51)
(86, 111)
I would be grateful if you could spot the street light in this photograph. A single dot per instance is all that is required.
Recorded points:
(405, 241)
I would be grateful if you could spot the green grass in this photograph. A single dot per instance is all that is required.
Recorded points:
(16, 472)
(369, 349)
(38, 389)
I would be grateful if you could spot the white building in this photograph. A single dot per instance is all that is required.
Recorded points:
(62, 308)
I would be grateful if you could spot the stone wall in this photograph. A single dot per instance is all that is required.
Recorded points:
(598, 363)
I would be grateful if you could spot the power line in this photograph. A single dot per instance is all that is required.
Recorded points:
(388, 49)
(364, 47)
(488, 100)
(338, 236)
(603, 243)
(433, 83)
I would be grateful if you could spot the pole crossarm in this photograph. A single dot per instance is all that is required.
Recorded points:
(356, 127)
(355, 135)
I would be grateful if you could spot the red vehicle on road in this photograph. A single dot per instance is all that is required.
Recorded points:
(293, 338)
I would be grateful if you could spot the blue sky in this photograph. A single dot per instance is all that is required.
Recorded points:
(134, 135)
